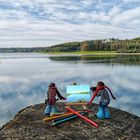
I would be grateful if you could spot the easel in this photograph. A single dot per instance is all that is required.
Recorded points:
(71, 90)
(80, 103)
(83, 104)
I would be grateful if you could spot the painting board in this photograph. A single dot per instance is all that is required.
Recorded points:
(78, 93)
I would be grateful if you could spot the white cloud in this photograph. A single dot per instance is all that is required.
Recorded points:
(44, 23)
(114, 10)
(131, 1)
(128, 17)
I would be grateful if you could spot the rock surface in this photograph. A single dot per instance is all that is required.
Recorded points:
(28, 125)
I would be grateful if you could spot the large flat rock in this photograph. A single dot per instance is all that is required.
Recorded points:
(28, 125)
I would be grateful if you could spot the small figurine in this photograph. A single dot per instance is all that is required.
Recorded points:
(51, 108)
(102, 91)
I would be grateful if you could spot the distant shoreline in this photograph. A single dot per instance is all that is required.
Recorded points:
(92, 53)
(100, 46)
(96, 53)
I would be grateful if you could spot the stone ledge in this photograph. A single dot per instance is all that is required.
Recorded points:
(28, 124)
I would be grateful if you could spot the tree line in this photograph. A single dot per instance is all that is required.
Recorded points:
(120, 46)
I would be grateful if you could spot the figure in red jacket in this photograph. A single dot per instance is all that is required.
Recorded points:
(102, 91)
(51, 100)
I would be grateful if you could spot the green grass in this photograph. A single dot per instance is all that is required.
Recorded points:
(96, 53)
(88, 52)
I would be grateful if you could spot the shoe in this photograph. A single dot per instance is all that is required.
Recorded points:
(95, 115)
(46, 113)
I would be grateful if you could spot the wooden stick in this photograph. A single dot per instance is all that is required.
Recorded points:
(67, 119)
(54, 117)
(84, 118)
(76, 103)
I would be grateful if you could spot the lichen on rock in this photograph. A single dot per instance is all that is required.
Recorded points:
(28, 124)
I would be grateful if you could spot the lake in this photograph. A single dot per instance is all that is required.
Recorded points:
(24, 79)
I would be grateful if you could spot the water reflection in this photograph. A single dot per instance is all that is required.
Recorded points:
(24, 81)
(121, 59)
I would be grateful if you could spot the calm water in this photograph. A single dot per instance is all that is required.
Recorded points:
(24, 79)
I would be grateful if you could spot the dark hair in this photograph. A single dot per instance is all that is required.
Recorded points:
(51, 84)
(74, 83)
(93, 89)
(100, 83)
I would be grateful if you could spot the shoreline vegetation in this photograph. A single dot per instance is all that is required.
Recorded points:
(98, 47)
(96, 53)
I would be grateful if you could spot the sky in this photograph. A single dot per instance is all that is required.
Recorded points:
(42, 23)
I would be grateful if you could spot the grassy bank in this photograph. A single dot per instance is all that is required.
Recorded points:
(87, 53)
(92, 53)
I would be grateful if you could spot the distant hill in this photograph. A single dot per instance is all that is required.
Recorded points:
(120, 46)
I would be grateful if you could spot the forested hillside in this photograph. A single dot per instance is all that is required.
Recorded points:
(120, 46)
(131, 46)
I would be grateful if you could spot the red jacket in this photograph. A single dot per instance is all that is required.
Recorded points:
(96, 92)
(51, 94)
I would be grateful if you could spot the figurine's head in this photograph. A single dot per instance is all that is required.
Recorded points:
(52, 85)
(100, 83)
(74, 83)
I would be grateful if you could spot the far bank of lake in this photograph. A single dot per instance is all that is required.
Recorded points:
(100, 53)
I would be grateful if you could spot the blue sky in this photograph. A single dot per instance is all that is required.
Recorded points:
(40, 23)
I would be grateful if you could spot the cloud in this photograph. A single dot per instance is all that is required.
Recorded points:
(129, 18)
(131, 1)
(44, 23)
